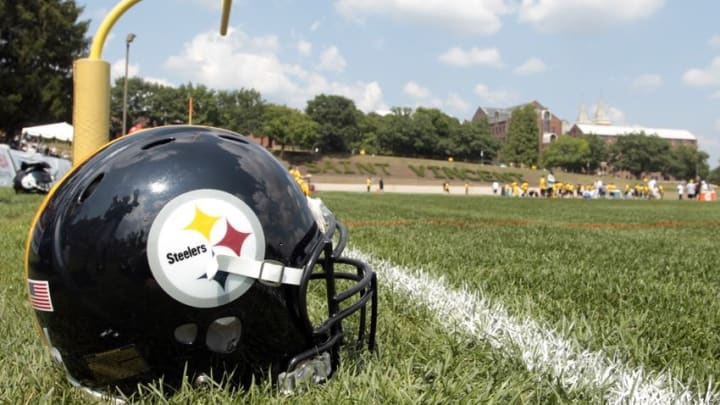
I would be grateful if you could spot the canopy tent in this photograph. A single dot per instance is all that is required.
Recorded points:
(62, 131)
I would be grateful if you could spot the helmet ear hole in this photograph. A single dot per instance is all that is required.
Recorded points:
(223, 335)
(186, 334)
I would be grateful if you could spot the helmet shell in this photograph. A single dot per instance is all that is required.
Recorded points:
(111, 321)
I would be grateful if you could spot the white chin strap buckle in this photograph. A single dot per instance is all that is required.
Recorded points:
(266, 271)
(311, 371)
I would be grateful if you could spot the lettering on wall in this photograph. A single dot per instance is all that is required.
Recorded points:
(466, 173)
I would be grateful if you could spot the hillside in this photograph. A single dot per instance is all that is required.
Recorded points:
(409, 171)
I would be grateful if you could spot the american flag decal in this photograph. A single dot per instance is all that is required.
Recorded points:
(40, 295)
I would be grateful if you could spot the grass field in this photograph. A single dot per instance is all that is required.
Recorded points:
(483, 300)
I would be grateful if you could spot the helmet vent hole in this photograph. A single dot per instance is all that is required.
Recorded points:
(186, 334)
(91, 187)
(223, 335)
(157, 143)
(234, 139)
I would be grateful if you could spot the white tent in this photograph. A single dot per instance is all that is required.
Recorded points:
(62, 131)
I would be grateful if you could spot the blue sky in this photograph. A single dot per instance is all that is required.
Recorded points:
(653, 63)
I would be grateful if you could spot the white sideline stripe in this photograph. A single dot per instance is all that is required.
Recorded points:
(543, 351)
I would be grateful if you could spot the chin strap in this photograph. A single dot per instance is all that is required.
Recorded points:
(270, 272)
(314, 370)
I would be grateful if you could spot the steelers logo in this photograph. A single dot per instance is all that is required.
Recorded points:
(187, 236)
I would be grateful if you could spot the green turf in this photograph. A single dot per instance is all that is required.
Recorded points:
(635, 279)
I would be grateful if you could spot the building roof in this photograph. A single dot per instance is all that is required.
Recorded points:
(504, 114)
(497, 114)
(614, 130)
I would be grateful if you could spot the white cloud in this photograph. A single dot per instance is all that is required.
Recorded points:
(423, 98)
(415, 90)
(159, 81)
(616, 115)
(709, 76)
(584, 15)
(117, 70)
(457, 103)
(714, 41)
(304, 47)
(531, 67)
(432, 103)
(234, 61)
(331, 60)
(473, 57)
(647, 82)
(315, 26)
(240, 61)
(493, 97)
(466, 16)
(372, 97)
(367, 96)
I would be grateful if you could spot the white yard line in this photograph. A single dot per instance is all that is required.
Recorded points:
(543, 351)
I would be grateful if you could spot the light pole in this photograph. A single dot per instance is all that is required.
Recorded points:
(129, 39)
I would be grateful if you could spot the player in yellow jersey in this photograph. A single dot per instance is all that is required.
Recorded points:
(304, 186)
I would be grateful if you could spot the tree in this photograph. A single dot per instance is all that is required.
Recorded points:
(521, 145)
(371, 127)
(39, 40)
(396, 136)
(432, 132)
(713, 176)
(205, 109)
(598, 151)
(155, 102)
(567, 152)
(240, 110)
(237, 110)
(337, 119)
(687, 162)
(288, 126)
(639, 153)
(473, 141)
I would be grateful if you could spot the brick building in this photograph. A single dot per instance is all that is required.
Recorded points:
(549, 125)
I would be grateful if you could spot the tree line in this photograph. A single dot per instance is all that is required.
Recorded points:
(328, 123)
(332, 124)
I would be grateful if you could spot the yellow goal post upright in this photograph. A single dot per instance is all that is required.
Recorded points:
(91, 86)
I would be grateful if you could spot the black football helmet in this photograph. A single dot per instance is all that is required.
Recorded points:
(190, 251)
